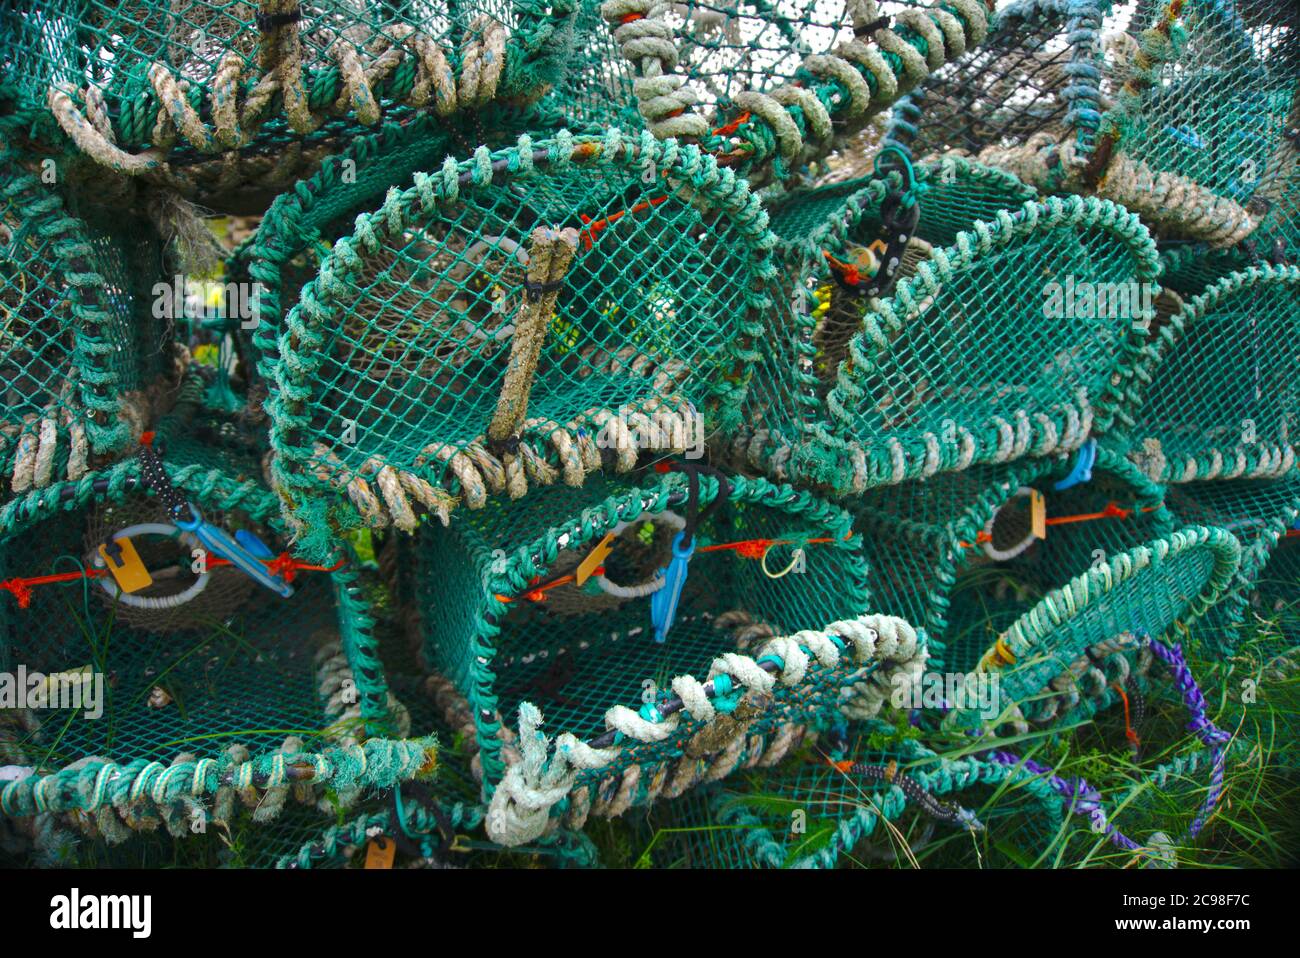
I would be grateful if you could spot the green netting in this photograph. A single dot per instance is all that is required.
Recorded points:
(575, 655)
(942, 369)
(1241, 419)
(596, 88)
(1263, 515)
(156, 89)
(1216, 108)
(1037, 72)
(1017, 340)
(1198, 130)
(957, 193)
(402, 367)
(957, 552)
(83, 355)
(771, 86)
(1141, 592)
(209, 682)
(806, 813)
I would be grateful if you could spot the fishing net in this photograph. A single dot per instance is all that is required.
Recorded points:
(1199, 137)
(83, 357)
(1242, 421)
(938, 376)
(455, 346)
(1037, 72)
(155, 89)
(747, 585)
(208, 689)
(773, 87)
(959, 553)
(1263, 515)
(872, 803)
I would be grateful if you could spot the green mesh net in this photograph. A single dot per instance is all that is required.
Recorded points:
(1263, 515)
(1037, 72)
(83, 354)
(770, 86)
(208, 687)
(1240, 423)
(891, 804)
(454, 345)
(157, 89)
(959, 554)
(576, 651)
(941, 375)
(1210, 98)
(1197, 126)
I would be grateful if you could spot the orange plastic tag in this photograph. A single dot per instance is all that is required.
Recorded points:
(127, 568)
(594, 559)
(380, 852)
(1037, 514)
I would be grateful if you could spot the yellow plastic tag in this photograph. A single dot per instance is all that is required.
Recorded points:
(594, 558)
(1037, 514)
(128, 569)
(380, 852)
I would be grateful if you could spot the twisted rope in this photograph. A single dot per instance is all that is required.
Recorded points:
(521, 805)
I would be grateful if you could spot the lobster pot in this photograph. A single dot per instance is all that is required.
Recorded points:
(301, 225)
(999, 347)
(595, 91)
(135, 86)
(842, 217)
(775, 88)
(202, 665)
(83, 356)
(576, 652)
(456, 346)
(889, 806)
(1037, 72)
(1198, 99)
(959, 552)
(1263, 515)
(1215, 108)
(1243, 421)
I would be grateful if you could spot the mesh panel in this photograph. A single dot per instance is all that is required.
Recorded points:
(1012, 87)
(135, 83)
(1242, 420)
(1262, 515)
(410, 330)
(79, 342)
(575, 665)
(227, 665)
(947, 364)
(928, 544)
(1215, 114)
(805, 813)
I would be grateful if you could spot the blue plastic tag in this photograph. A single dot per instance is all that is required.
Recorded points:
(220, 543)
(663, 603)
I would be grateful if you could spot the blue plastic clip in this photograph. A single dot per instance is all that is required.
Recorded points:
(253, 544)
(1082, 470)
(663, 603)
(220, 543)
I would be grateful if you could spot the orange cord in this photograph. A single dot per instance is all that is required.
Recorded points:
(1112, 510)
(746, 548)
(283, 565)
(1129, 732)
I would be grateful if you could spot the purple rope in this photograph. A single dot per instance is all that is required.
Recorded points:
(1086, 800)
